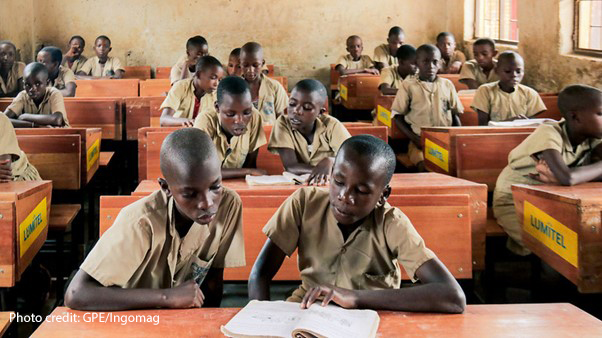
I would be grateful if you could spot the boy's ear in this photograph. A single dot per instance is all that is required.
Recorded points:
(385, 195)
(110, 49)
(495, 51)
(164, 186)
(216, 105)
(322, 110)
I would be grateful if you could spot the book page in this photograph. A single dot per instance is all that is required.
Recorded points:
(519, 123)
(332, 321)
(268, 180)
(276, 319)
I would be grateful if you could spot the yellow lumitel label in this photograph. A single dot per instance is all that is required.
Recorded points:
(93, 153)
(553, 234)
(343, 92)
(383, 115)
(32, 226)
(436, 154)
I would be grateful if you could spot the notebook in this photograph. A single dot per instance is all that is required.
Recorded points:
(520, 123)
(285, 179)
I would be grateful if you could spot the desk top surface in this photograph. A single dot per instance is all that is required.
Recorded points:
(20, 189)
(4, 321)
(587, 192)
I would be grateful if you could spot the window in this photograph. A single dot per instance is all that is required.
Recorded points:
(497, 19)
(588, 26)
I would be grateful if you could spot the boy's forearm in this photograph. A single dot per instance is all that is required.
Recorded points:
(100, 298)
(388, 91)
(228, 173)
(69, 90)
(54, 119)
(259, 287)
(22, 124)
(170, 121)
(472, 84)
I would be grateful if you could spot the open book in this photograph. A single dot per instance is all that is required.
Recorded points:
(520, 123)
(285, 179)
(286, 319)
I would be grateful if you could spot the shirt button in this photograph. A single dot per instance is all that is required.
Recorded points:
(343, 250)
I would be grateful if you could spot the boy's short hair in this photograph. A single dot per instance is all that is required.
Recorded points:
(375, 148)
(233, 85)
(196, 41)
(104, 37)
(312, 86)
(7, 42)
(251, 47)
(206, 62)
(34, 69)
(508, 55)
(485, 41)
(351, 37)
(577, 98)
(427, 48)
(395, 31)
(79, 38)
(235, 52)
(405, 52)
(56, 55)
(443, 35)
(188, 146)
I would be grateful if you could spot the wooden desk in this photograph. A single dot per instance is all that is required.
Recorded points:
(477, 154)
(137, 72)
(519, 320)
(66, 156)
(155, 87)
(4, 321)
(155, 103)
(334, 77)
(107, 88)
(551, 102)
(383, 105)
(562, 226)
(162, 72)
(359, 91)
(138, 114)
(455, 79)
(24, 211)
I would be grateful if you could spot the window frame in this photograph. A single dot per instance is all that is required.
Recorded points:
(575, 35)
(477, 5)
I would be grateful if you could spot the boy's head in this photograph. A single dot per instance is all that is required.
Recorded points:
(51, 57)
(251, 61)
(209, 72)
(234, 67)
(446, 42)
(395, 39)
(306, 104)
(484, 51)
(192, 174)
(76, 45)
(510, 69)
(360, 177)
(196, 47)
(355, 46)
(8, 54)
(581, 106)
(427, 60)
(35, 80)
(234, 105)
(406, 56)
(102, 47)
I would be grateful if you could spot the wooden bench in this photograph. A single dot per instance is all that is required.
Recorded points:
(474, 153)
(155, 87)
(162, 72)
(358, 91)
(105, 158)
(62, 216)
(562, 226)
(138, 114)
(455, 79)
(155, 111)
(67, 156)
(24, 211)
(107, 88)
(137, 72)
(551, 102)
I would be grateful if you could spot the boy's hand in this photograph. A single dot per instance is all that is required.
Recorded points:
(521, 117)
(184, 296)
(71, 52)
(455, 67)
(189, 123)
(343, 297)
(544, 174)
(372, 71)
(321, 172)
(6, 173)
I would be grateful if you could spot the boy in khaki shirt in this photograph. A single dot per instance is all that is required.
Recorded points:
(234, 67)
(11, 71)
(425, 101)
(189, 97)
(74, 59)
(451, 59)
(59, 77)
(566, 153)
(268, 95)
(391, 77)
(235, 128)
(355, 62)
(385, 54)
(168, 249)
(102, 66)
(306, 139)
(350, 241)
(507, 99)
(196, 47)
(482, 69)
(38, 105)
(14, 165)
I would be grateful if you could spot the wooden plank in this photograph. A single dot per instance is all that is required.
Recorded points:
(155, 110)
(552, 112)
(334, 78)
(107, 88)
(455, 79)
(5, 321)
(62, 215)
(103, 113)
(359, 91)
(155, 87)
(162, 72)
(137, 72)
(137, 115)
(105, 158)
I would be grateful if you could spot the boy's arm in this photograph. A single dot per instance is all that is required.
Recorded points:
(118, 74)
(571, 176)
(483, 117)
(405, 128)
(251, 160)
(265, 268)
(69, 90)
(6, 173)
(342, 71)
(456, 120)
(471, 83)
(14, 120)
(291, 163)
(386, 89)
(213, 287)
(54, 119)
(168, 120)
(228, 173)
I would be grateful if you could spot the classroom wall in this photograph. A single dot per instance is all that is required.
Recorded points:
(18, 28)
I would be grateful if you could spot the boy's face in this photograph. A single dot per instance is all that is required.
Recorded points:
(77, 47)
(357, 184)
(484, 55)
(395, 41)
(235, 112)
(590, 120)
(407, 66)
(35, 85)
(303, 109)
(102, 47)
(355, 47)
(428, 64)
(208, 79)
(251, 64)
(234, 66)
(46, 59)
(447, 46)
(7, 56)
(510, 72)
(194, 53)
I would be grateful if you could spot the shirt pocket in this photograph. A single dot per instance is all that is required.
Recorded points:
(268, 108)
(389, 280)
(199, 269)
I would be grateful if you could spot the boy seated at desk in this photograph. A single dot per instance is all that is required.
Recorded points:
(482, 69)
(306, 138)
(39, 105)
(189, 97)
(351, 242)
(507, 99)
(74, 59)
(234, 67)
(185, 68)
(451, 59)
(11, 71)
(385, 55)
(102, 66)
(391, 77)
(355, 62)
(425, 101)
(566, 153)
(235, 127)
(14, 165)
(59, 77)
(168, 249)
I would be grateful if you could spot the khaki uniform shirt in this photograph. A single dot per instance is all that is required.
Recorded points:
(502, 106)
(329, 134)
(456, 56)
(65, 76)
(143, 249)
(181, 99)
(382, 54)
(93, 68)
(347, 62)
(12, 81)
(51, 103)
(77, 65)
(390, 76)
(21, 168)
(367, 260)
(425, 104)
(240, 146)
(176, 70)
(272, 99)
(472, 70)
